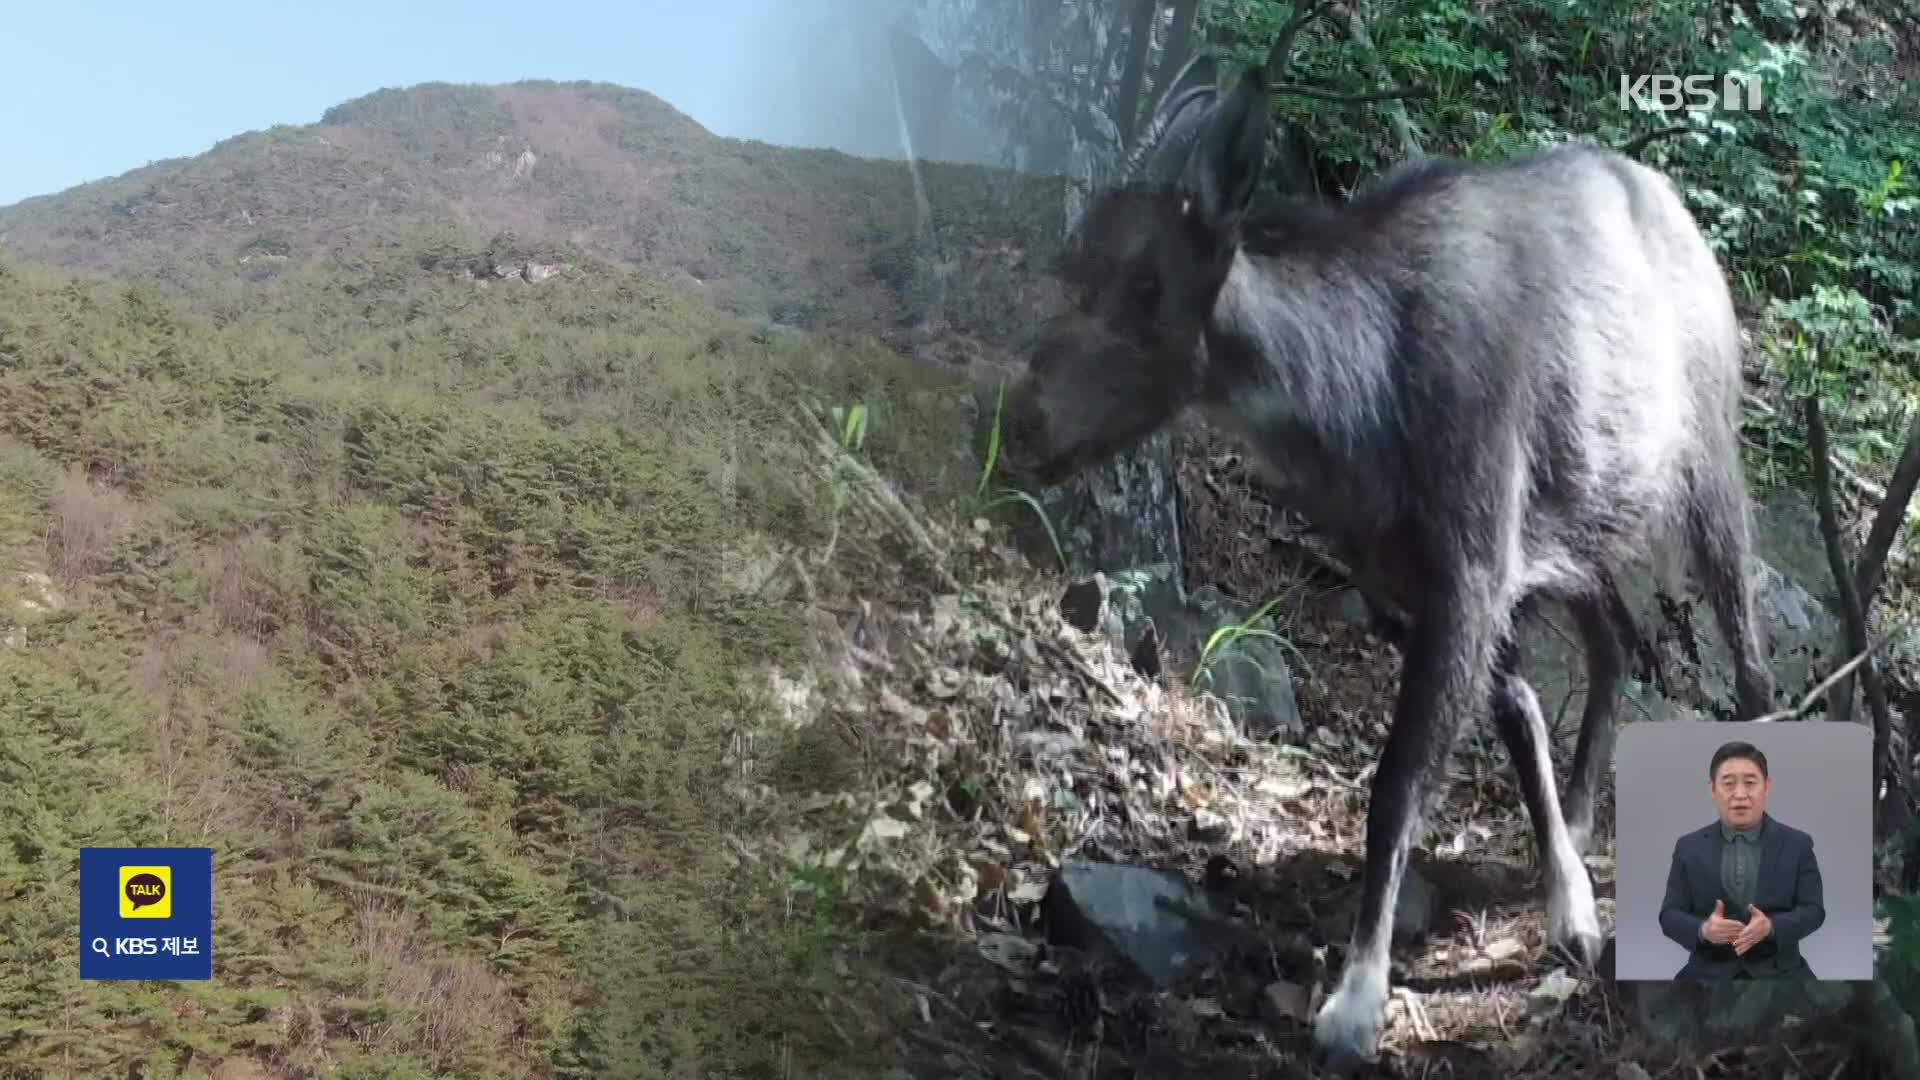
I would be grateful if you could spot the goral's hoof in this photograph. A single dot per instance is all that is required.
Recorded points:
(1578, 946)
(1573, 923)
(1346, 1035)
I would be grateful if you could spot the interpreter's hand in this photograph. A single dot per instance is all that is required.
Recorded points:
(1756, 931)
(1721, 930)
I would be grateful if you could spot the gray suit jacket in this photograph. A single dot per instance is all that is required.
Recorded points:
(1788, 891)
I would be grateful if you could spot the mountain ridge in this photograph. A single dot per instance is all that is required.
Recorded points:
(565, 171)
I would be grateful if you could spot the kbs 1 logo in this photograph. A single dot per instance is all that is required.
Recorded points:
(1671, 93)
(146, 913)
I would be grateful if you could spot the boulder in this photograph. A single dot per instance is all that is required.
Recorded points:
(1151, 619)
(1132, 913)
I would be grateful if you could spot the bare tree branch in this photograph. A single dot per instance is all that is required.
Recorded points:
(1852, 618)
(1281, 54)
(1893, 513)
(1852, 604)
(1126, 105)
(1868, 568)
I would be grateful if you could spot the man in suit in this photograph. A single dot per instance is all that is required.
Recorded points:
(1743, 892)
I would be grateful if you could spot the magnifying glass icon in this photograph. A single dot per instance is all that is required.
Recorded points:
(100, 946)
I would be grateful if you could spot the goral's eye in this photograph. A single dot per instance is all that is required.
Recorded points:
(1145, 290)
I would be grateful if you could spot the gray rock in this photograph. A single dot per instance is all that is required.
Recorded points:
(1286, 1001)
(1352, 607)
(1788, 607)
(1794, 591)
(1552, 992)
(1786, 530)
(1121, 513)
(1084, 603)
(1125, 605)
(1413, 910)
(1791, 591)
(1146, 591)
(1249, 673)
(1156, 623)
(1117, 909)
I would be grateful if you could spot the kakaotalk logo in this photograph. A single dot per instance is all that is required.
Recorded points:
(146, 892)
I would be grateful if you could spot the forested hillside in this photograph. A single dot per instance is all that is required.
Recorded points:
(499, 520)
(440, 655)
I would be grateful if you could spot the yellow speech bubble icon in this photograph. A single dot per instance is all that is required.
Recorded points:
(146, 892)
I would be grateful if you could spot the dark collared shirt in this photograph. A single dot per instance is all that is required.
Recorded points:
(1739, 868)
(1740, 864)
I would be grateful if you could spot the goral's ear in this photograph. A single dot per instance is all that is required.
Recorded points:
(1224, 166)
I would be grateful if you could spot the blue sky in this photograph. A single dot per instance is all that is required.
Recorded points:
(98, 87)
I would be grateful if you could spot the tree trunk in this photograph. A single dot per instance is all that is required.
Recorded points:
(1123, 515)
(1126, 106)
(1179, 41)
(1854, 606)
(1872, 559)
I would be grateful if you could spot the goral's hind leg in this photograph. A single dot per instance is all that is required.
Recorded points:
(1596, 622)
(1573, 919)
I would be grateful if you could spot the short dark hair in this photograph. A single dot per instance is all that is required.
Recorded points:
(1744, 750)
